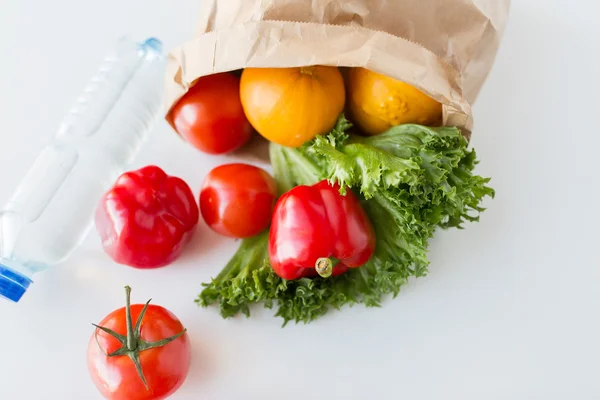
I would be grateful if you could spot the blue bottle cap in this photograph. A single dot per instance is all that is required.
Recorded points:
(152, 48)
(154, 44)
(12, 284)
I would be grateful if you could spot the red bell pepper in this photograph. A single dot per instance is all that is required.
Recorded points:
(315, 229)
(146, 218)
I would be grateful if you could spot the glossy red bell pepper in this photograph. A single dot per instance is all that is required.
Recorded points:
(146, 218)
(315, 229)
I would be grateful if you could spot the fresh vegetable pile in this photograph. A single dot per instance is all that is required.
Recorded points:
(345, 218)
(348, 213)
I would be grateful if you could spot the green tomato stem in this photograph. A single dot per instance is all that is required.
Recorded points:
(131, 345)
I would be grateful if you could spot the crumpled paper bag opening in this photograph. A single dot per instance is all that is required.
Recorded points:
(445, 48)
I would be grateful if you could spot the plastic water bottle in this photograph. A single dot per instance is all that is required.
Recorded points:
(52, 210)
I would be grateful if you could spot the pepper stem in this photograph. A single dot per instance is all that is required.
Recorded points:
(324, 267)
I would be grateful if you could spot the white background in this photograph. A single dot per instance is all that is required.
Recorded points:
(511, 308)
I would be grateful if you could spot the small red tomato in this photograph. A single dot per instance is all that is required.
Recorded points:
(237, 200)
(210, 115)
(146, 361)
(146, 218)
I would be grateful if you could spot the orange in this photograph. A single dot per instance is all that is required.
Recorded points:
(290, 106)
(377, 102)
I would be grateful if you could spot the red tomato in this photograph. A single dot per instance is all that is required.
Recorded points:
(237, 200)
(210, 115)
(164, 367)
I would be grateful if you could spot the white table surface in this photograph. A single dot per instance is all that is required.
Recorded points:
(511, 308)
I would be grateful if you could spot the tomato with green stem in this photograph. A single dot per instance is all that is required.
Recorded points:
(148, 361)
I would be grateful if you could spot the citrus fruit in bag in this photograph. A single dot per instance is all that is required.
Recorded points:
(290, 106)
(377, 102)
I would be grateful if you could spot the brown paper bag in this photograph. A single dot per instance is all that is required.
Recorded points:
(445, 48)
